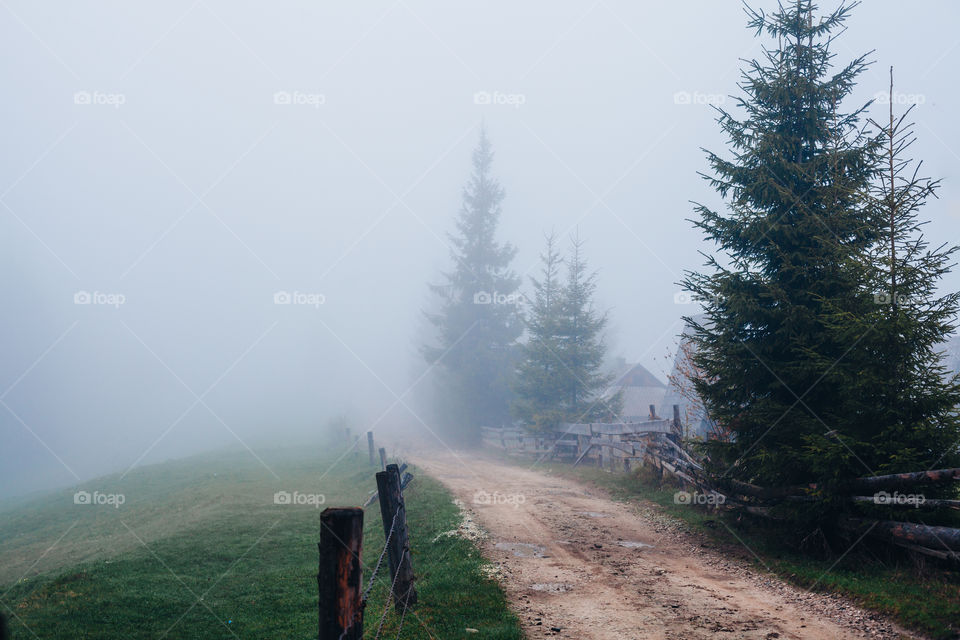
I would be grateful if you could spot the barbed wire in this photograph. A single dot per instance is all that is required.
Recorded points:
(403, 616)
(376, 569)
(386, 604)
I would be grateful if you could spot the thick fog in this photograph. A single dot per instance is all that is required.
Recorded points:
(168, 169)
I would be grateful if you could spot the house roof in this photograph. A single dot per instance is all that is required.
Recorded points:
(639, 389)
(636, 375)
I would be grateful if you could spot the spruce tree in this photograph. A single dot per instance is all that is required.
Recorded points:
(777, 372)
(479, 319)
(821, 342)
(560, 376)
(903, 398)
(581, 346)
(540, 375)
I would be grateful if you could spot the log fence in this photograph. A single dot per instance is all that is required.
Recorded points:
(658, 444)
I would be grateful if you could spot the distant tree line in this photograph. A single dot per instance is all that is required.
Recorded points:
(502, 355)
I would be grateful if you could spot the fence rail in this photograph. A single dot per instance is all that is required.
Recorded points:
(657, 443)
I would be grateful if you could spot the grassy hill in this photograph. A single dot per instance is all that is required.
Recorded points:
(198, 549)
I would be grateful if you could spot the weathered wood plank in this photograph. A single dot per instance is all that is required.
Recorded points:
(946, 538)
(616, 429)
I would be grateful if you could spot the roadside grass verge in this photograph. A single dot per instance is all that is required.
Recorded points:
(200, 550)
(923, 598)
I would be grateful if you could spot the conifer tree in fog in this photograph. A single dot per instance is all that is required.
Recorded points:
(904, 395)
(560, 377)
(479, 320)
(582, 346)
(540, 376)
(799, 362)
(774, 374)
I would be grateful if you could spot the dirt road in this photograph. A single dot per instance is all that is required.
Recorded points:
(576, 564)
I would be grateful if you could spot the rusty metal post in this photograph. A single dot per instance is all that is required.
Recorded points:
(340, 574)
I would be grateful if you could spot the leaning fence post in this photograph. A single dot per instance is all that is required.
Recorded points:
(370, 448)
(340, 574)
(398, 550)
(383, 459)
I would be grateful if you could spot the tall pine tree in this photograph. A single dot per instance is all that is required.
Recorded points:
(479, 319)
(540, 376)
(560, 376)
(582, 347)
(820, 343)
(775, 374)
(904, 399)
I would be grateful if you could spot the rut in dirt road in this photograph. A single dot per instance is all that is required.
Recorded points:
(578, 565)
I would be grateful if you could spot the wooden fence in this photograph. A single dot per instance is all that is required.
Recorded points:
(620, 444)
(658, 443)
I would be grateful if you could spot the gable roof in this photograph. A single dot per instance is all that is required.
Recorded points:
(636, 375)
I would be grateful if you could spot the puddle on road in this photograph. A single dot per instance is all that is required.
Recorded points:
(593, 514)
(521, 549)
(551, 587)
(630, 544)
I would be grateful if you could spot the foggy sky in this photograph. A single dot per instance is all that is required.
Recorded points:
(199, 157)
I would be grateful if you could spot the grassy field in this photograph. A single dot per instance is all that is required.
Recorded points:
(926, 599)
(198, 549)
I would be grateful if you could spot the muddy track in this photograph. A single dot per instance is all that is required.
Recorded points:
(576, 564)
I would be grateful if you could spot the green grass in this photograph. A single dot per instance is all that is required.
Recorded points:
(924, 599)
(206, 527)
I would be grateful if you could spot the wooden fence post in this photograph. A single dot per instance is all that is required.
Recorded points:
(398, 551)
(340, 574)
(370, 448)
(677, 426)
(383, 459)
